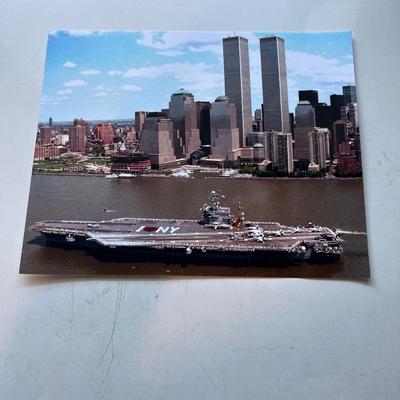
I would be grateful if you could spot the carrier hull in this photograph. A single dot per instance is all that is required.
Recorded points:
(217, 236)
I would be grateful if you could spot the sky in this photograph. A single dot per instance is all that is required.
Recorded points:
(104, 75)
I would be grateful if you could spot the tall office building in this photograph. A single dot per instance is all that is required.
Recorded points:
(274, 84)
(50, 122)
(305, 122)
(326, 115)
(349, 94)
(340, 133)
(337, 100)
(309, 95)
(140, 116)
(282, 151)
(224, 131)
(237, 81)
(77, 138)
(258, 120)
(157, 139)
(319, 147)
(349, 112)
(203, 121)
(45, 134)
(183, 114)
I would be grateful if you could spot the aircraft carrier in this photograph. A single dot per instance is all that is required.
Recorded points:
(217, 235)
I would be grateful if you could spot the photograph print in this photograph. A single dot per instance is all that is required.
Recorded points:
(198, 153)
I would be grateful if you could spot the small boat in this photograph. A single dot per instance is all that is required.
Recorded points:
(182, 173)
(228, 172)
(126, 175)
(111, 176)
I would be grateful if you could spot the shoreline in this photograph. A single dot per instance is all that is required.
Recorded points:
(205, 177)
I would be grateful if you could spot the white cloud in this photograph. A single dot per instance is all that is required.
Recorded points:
(65, 91)
(100, 94)
(69, 64)
(319, 68)
(114, 72)
(198, 76)
(91, 72)
(170, 53)
(75, 83)
(131, 88)
(210, 48)
(173, 39)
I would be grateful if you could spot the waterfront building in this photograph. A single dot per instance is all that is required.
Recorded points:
(157, 140)
(274, 84)
(140, 116)
(349, 94)
(237, 82)
(131, 163)
(225, 135)
(282, 151)
(77, 138)
(319, 147)
(45, 135)
(183, 114)
(309, 95)
(48, 152)
(305, 122)
(203, 121)
(349, 160)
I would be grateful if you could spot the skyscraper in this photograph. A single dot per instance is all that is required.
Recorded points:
(140, 116)
(157, 139)
(237, 82)
(337, 100)
(309, 95)
(183, 114)
(349, 94)
(305, 122)
(349, 112)
(282, 152)
(258, 120)
(319, 147)
(274, 84)
(224, 131)
(77, 138)
(340, 134)
(203, 121)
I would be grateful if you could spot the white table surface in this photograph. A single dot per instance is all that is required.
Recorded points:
(113, 338)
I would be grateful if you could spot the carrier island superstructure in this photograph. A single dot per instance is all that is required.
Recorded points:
(217, 235)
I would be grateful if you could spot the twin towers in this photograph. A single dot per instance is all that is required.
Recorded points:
(274, 83)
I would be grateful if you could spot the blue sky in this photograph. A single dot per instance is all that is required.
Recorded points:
(110, 75)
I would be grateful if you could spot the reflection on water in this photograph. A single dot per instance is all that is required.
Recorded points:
(335, 203)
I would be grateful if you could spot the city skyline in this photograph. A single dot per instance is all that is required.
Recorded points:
(109, 75)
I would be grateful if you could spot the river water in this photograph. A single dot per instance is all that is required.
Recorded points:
(334, 203)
